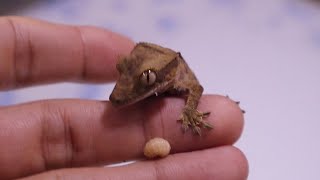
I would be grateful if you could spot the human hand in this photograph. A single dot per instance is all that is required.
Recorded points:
(72, 138)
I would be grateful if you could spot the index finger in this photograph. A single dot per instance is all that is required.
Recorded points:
(36, 52)
(53, 134)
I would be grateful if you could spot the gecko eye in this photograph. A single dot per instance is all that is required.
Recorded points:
(148, 77)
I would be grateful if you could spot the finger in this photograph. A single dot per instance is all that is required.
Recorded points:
(67, 133)
(225, 162)
(34, 52)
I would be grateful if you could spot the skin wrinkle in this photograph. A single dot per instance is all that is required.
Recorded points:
(161, 121)
(44, 138)
(72, 147)
(112, 47)
(145, 133)
(58, 176)
(31, 61)
(10, 22)
(91, 146)
(51, 139)
(152, 105)
(23, 57)
(156, 169)
(67, 138)
(84, 59)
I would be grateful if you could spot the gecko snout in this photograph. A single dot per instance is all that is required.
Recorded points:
(114, 100)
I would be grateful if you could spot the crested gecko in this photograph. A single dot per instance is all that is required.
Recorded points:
(150, 70)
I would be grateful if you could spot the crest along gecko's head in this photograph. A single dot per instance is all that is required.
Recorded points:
(148, 70)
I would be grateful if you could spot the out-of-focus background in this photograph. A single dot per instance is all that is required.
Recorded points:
(264, 53)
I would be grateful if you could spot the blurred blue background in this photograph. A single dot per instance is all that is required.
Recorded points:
(264, 53)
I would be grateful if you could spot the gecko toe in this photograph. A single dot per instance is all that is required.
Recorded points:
(193, 119)
(197, 130)
(238, 103)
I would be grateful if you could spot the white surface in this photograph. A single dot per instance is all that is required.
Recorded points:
(264, 53)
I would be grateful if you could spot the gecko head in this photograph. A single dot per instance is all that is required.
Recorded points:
(148, 70)
(129, 89)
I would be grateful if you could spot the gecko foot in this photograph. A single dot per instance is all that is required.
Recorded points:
(192, 118)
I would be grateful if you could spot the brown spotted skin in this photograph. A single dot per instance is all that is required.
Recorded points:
(173, 75)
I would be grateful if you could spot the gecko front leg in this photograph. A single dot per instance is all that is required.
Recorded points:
(191, 117)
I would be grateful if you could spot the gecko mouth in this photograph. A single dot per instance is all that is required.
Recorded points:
(153, 91)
